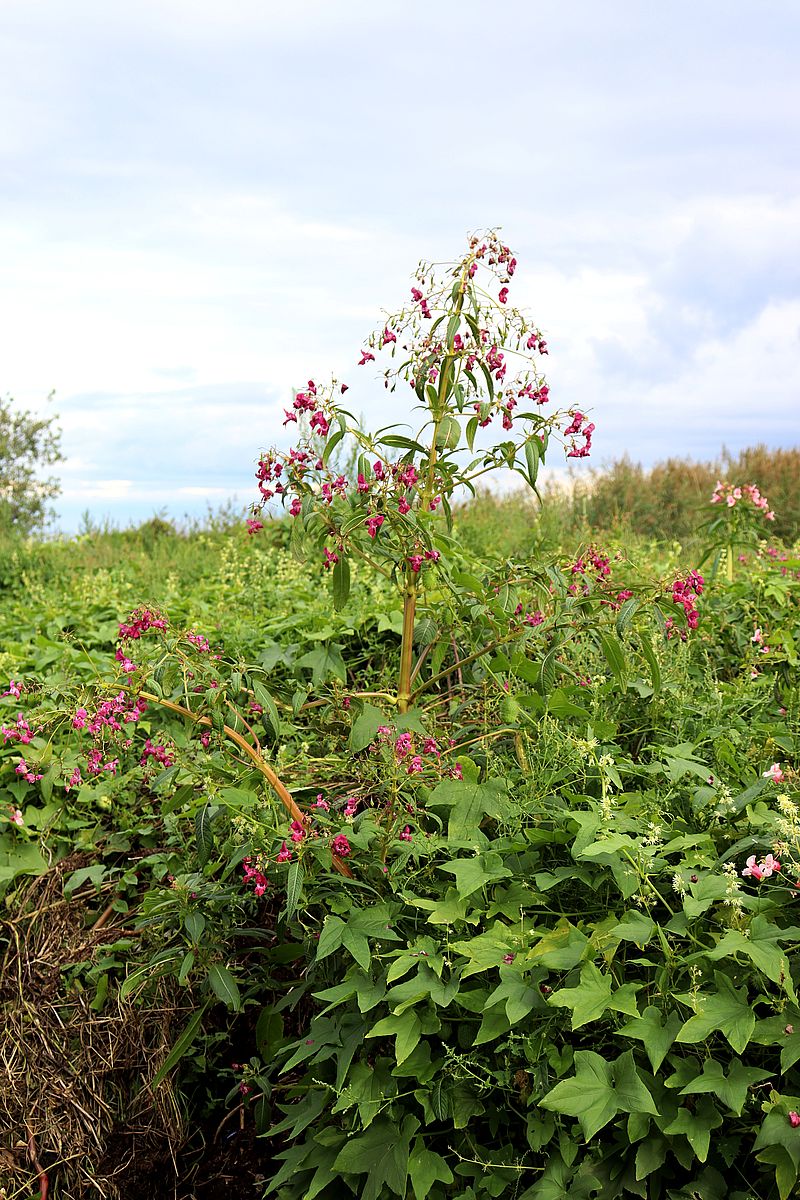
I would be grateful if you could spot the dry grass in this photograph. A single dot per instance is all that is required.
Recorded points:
(75, 1100)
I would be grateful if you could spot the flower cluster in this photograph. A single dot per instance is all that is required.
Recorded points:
(726, 493)
(255, 875)
(685, 593)
(142, 620)
(25, 771)
(157, 754)
(20, 731)
(579, 428)
(413, 757)
(761, 870)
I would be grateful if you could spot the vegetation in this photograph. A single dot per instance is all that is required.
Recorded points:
(28, 446)
(452, 855)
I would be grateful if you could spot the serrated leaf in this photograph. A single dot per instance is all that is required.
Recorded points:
(224, 986)
(203, 834)
(182, 1045)
(294, 886)
(341, 582)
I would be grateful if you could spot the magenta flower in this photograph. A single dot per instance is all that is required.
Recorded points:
(373, 524)
(297, 831)
(340, 846)
(388, 336)
(774, 773)
(403, 507)
(794, 1119)
(284, 854)
(406, 835)
(503, 297)
(366, 357)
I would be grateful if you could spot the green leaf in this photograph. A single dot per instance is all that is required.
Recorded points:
(269, 1032)
(194, 923)
(599, 1090)
(626, 614)
(593, 996)
(732, 1088)
(634, 927)
(270, 708)
(469, 802)
(474, 873)
(341, 582)
(330, 939)
(696, 1126)
(648, 654)
(224, 986)
(656, 1034)
(615, 657)
(381, 1153)
(183, 1043)
(727, 1011)
(406, 1028)
(761, 946)
(294, 886)
(331, 444)
(95, 873)
(358, 946)
(426, 1167)
(365, 727)
(203, 833)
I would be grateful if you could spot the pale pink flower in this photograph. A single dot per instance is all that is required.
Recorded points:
(774, 773)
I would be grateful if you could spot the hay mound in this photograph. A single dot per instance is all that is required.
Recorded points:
(75, 1100)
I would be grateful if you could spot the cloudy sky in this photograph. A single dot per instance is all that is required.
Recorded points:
(204, 203)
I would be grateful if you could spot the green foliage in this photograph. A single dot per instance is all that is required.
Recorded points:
(28, 446)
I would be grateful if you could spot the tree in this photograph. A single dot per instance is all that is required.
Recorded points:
(28, 445)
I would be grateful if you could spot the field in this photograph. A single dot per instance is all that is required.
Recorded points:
(506, 944)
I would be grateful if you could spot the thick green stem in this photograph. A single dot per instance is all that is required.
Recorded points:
(407, 644)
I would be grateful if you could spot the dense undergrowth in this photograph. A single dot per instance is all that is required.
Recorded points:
(548, 978)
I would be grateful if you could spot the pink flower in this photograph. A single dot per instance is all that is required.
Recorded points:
(415, 562)
(769, 865)
(366, 357)
(80, 718)
(794, 1119)
(752, 868)
(388, 336)
(350, 808)
(406, 835)
(340, 846)
(13, 689)
(503, 297)
(16, 817)
(373, 524)
(253, 525)
(403, 507)
(284, 854)
(323, 804)
(508, 959)
(774, 773)
(297, 831)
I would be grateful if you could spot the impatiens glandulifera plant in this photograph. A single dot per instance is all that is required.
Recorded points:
(739, 523)
(470, 361)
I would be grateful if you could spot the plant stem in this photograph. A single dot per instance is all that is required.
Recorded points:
(278, 787)
(407, 644)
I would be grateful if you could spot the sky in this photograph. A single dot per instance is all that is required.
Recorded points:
(205, 204)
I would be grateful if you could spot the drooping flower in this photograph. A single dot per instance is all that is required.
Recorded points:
(340, 846)
(774, 773)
